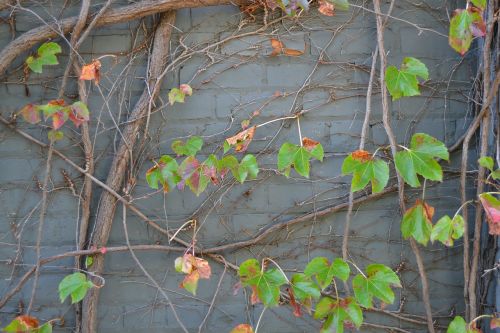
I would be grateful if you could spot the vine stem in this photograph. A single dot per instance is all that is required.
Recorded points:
(260, 318)
(43, 211)
(394, 145)
(300, 131)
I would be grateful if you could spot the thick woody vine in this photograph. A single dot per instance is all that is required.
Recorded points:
(316, 290)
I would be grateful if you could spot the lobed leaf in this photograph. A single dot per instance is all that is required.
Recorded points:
(447, 230)
(377, 283)
(404, 82)
(417, 222)
(420, 159)
(366, 169)
(46, 55)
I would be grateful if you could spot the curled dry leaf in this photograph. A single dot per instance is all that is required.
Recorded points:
(242, 139)
(309, 144)
(279, 48)
(91, 71)
(326, 8)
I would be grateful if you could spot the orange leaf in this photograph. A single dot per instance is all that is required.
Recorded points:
(326, 8)
(361, 156)
(28, 321)
(277, 47)
(292, 52)
(309, 144)
(91, 71)
(242, 139)
(242, 328)
(429, 210)
(57, 102)
(190, 282)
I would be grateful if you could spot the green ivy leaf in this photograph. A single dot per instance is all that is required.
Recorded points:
(464, 25)
(190, 148)
(45, 328)
(364, 169)
(417, 222)
(267, 283)
(446, 230)
(324, 272)
(377, 283)
(419, 159)
(339, 312)
(487, 162)
(248, 168)
(458, 325)
(404, 82)
(304, 288)
(76, 285)
(299, 157)
(164, 172)
(481, 4)
(46, 55)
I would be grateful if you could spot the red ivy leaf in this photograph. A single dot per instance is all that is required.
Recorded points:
(491, 207)
(294, 304)
(31, 114)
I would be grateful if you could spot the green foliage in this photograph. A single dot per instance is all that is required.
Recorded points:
(75, 285)
(417, 222)
(324, 272)
(304, 287)
(447, 229)
(464, 25)
(298, 157)
(420, 159)
(46, 55)
(404, 82)
(290, 6)
(488, 163)
(365, 168)
(459, 325)
(377, 283)
(338, 312)
(481, 4)
(265, 283)
(190, 148)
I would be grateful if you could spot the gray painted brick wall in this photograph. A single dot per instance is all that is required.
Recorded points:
(238, 78)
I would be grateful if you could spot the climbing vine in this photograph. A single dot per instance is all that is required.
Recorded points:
(334, 291)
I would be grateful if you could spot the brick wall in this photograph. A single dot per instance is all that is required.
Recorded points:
(230, 82)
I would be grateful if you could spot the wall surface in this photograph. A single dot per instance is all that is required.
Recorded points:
(231, 81)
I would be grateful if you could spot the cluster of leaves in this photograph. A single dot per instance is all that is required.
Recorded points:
(403, 82)
(290, 7)
(467, 24)
(27, 324)
(57, 111)
(304, 288)
(178, 95)
(46, 55)
(195, 174)
(195, 268)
